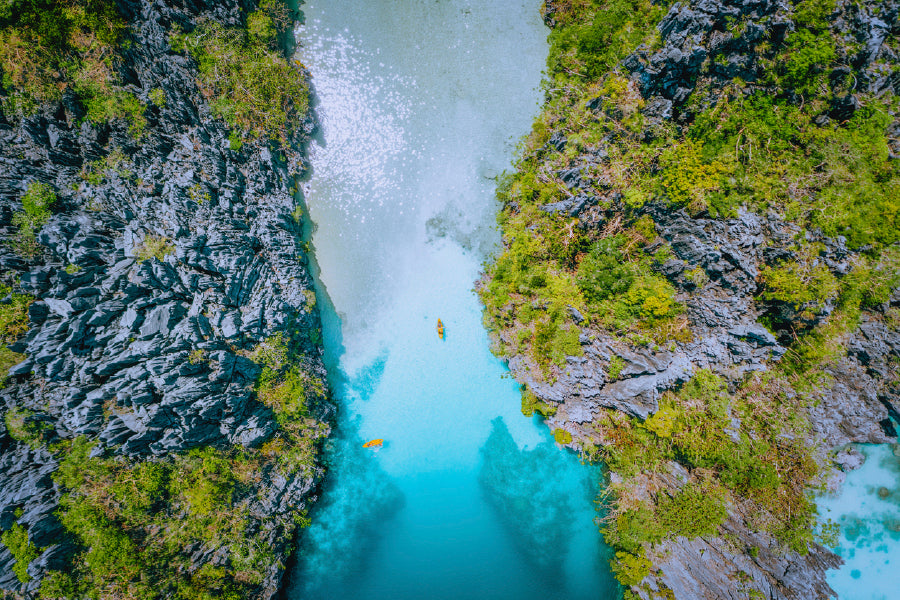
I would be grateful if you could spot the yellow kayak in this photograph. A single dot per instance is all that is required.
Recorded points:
(374, 443)
(440, 329)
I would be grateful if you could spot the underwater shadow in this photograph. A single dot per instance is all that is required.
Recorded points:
(347, 523)
(519, 485)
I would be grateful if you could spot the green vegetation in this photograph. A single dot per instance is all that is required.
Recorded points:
(13, 325)
(36, 203)
(22, 549)
(138, 523)
(23, 426)
(195, 357)
(246, 77)
(235, 142)
(562, 436)
(630, 569)
(616, 364)
(532, 404)
(13, 315)
(114, 163)
(289, 390)
(153, 246)
(47, 47)
(762, 145)
(765, 462)
(135, 520)
(158, 97)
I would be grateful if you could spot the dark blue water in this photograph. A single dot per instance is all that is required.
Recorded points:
(422, 103)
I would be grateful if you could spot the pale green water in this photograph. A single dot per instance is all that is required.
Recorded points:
(422, 103)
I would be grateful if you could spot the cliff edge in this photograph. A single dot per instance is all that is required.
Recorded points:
(166, 396)
(699, 280)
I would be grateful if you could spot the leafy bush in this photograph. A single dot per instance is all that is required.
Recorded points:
(618, 27)
(799, 283)
(206, 482)
(603, 272)
(562, 436)
(36, 204)
(22, 549)
(138, 522)
(13, 315)
(153, 246)
(245, 76)
(695, 510)
(630, 569)
(47, 46)
(24, 427)
(687, 179)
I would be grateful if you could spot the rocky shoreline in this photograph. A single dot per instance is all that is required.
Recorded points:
(603, 393)
(170, 256)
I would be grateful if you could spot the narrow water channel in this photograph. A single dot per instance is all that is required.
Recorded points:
(421, 104)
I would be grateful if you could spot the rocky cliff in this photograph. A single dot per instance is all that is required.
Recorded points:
(699, 285)
(168, 307)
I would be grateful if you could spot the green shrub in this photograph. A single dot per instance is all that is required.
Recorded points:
(23, 427)
(153, 246)
(630, 569)
(553, 342)
(687, 179)
(283, 387)
(137, 521)
(618, 27)
(158, 97)
(246, 78)
(22, 549)
(47, 46)
(36, 204)
(562, 437)
(616, 364)
(13, 316)
(115, 162)
(235, 142)
(799, 283)
(603, 272)
(206, 482)
(532, 404)
(693, 511)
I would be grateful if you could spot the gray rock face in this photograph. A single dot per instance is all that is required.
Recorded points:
(715, 268)
(110, 337)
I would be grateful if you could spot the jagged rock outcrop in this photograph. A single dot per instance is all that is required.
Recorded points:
(708, 50)
(149, 356)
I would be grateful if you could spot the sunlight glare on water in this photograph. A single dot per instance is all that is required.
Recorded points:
(421, 104)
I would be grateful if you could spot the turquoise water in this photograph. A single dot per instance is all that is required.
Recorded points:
(421, 104)
(868, 513)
